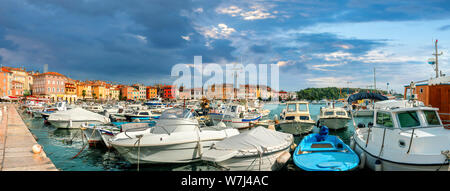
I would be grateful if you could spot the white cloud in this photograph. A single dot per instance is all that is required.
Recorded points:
(188, 38)
(141, 38)
(321, 67)
(232, 10)
(221, 31)
(198, 10)
(254, 13)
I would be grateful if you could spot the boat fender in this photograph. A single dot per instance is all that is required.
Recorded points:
(200, 148)
(70, 123)
(36, 149)
(352, 144)
(361, 125)
(293, 146)
(378, 166)
(362, 160)
(283, 158)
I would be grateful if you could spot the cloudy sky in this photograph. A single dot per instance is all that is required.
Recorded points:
(315, 43)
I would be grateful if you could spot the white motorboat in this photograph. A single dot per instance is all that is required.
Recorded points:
(295, 118)
(235, 116)
(255, 150)
(405, 135)
(74, 118)
(120, 115)
(103, 133)
(365, 105)
(176, 138)
(141, 115)
(94, 108)
(333, 117)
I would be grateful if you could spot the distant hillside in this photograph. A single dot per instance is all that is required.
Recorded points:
(331, 93)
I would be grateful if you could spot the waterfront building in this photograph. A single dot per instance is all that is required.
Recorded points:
(84, 90)
(5, 82)
(98, 91)
(50, 85)
(20, 76)
(283, 95)
(151, 92)
(71, 91)
(142, 91)
(221, 91)
(129, 93)
(184, 94)
(169, 92)
(17, 88)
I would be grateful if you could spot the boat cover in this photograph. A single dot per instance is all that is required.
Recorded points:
(258, 138)
(364, 95)
(77, 114)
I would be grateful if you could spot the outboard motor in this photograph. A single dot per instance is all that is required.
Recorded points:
(323, 133)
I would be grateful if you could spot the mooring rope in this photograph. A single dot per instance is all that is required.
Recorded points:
(139, 149)
(93, 131)
(447, 158)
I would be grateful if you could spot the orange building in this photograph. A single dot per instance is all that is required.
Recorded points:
(434, 93)
(17, 88)
(5, 76)
(129, 93)
(152, 92)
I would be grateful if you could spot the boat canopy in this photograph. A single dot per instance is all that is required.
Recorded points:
(77, 114)
(364, 95)
(176, 113)
(257, 138)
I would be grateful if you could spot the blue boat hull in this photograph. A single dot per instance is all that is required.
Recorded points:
(328, 157)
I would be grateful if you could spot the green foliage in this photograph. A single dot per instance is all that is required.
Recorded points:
(330, 93)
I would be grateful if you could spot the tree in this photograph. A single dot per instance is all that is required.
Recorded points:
(84, 93)
(26, 93)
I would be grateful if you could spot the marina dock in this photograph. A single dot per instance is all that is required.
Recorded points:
(16, 142)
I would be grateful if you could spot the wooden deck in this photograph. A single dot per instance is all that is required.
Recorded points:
(16, 143)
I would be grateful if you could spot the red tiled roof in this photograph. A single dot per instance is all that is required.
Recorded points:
(51, 73)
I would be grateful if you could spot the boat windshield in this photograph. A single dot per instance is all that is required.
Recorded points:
(329, 113)
(291, 107)
(176, 113)
(302, 107)
(384, 119)
(340, 113)
(408, 119)
(432, 118)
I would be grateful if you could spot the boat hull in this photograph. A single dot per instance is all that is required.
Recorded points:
(363, 113)
(252, 163)
(75, 124)
(334, 123)
(296, 127)
(396, 166)
(175, 153)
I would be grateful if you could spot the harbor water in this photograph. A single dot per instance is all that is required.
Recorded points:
(61, 145)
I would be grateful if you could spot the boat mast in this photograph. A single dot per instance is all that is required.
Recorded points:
(436, 54)
(374, 80)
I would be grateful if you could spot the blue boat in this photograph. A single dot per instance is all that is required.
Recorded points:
(323, 152)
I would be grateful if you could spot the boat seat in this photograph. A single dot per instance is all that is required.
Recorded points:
(321, 145)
